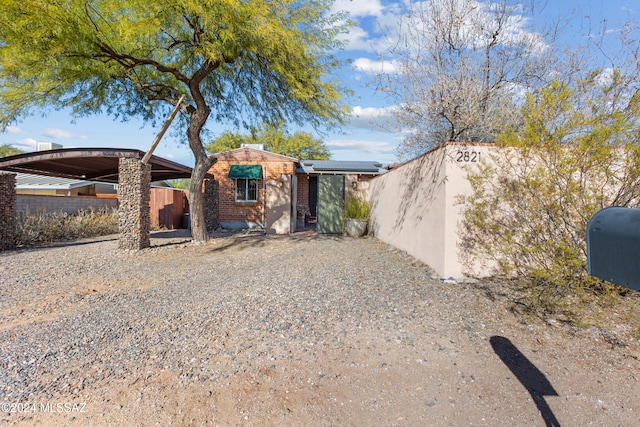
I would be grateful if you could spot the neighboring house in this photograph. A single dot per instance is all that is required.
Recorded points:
(53, 194)
(259, 189)
(54, 186)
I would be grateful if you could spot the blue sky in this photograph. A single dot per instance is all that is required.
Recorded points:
(362, 138)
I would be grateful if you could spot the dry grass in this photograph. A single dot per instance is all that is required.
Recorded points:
(47, 227)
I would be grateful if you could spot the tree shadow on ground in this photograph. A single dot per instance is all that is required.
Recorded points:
(66, 243)
(244, 240)
(529, 376)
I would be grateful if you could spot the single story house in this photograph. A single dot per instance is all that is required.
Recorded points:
(260, 189)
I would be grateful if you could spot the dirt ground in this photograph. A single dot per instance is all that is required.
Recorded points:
(441, 355)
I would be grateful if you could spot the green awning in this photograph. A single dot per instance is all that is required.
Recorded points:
(245, 171)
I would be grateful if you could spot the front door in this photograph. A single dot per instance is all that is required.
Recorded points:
(313, 196)
(330, 201)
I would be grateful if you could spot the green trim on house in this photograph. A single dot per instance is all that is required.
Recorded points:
(245, 171)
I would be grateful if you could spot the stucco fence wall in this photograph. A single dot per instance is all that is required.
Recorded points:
(69, 204)
(415, 207)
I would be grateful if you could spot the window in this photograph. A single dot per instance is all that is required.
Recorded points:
(246, 190)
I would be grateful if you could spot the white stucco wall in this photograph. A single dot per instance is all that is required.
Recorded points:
(415, 206)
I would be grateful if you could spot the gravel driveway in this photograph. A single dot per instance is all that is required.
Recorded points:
(289, 330)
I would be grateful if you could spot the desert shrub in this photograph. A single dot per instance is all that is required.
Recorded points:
(47, 227)
(576, 153)
(356, 206)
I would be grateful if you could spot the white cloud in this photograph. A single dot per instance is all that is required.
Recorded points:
(369, 66)
(13, 130)
(358, 8)
(26, 144)
(356, 39)
(372, 118)
(375, 23)
(372, 147)
(605, 77)
(58, 133)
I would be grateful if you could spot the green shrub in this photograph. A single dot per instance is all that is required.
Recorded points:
(576, 152)
(356, 206)
(47, 227)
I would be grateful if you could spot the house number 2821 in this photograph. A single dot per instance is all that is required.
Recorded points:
(468, 156)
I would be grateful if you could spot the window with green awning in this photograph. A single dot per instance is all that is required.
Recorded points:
(245, 171)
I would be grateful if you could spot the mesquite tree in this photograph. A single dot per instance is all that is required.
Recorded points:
(458, 66)
(238, 61)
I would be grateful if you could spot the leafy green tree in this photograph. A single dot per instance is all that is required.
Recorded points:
(577, 151)
(181, 184)
(228, 141)
(237, 61)
(301, 145)
(7, 150)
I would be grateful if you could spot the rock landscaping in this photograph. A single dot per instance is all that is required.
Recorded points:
(293, 330)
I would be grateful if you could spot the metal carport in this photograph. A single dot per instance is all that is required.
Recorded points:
(113, 165)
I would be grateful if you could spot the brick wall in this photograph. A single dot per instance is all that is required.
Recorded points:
(272, 167)
(362, 185)
(7, 211)
(134, 188)
(303, 190)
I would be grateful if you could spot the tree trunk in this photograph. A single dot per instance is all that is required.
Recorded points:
(198, 118)
(199, 230)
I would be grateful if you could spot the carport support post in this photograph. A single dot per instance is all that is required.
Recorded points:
(134, 192)
(7, 211)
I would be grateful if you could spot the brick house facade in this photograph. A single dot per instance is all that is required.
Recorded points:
(234, 213)
(241, 205)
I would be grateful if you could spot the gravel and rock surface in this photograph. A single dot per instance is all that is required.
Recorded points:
(300, 330)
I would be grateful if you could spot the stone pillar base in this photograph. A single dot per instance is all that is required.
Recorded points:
(211, 204)
(7, 211)
(134, 192)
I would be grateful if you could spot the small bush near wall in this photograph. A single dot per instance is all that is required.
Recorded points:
(530, 204)
(42, 227)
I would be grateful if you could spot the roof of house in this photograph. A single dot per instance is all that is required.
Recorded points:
(248, 154)
(25, 181)
(341, 166)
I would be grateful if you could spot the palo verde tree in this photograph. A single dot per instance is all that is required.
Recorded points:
(577, 152)
(457, 66)
(235, 61)
(299, 145)
(7, 150)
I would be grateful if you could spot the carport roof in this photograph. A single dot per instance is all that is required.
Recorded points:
(91, 164)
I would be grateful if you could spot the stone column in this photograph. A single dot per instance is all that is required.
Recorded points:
(134, 192)
(7, 211)
(211, 204)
